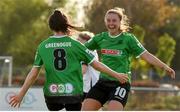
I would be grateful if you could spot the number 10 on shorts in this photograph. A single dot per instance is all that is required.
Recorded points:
(121, 92)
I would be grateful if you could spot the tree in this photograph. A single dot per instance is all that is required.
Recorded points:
(22, 27)
(166, 50)
(173, 29)
(17, 18)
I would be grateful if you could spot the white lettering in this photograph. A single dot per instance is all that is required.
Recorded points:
(61, 44)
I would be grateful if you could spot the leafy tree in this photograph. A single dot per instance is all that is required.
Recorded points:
(22, 27)
(166, 48)
(141, 12)
(26, 43)
(173, 29)
(17, 18)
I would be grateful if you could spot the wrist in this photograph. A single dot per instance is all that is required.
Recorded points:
(165, 67)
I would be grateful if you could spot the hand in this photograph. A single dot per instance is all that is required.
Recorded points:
(15, 101)
(170, 71)
(123, 78)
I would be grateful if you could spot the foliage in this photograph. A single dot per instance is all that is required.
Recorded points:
(139, 32)
(173, 29)
(27, 42)
(17, 17)
(149, 18)
(22, 27)
(166, 48)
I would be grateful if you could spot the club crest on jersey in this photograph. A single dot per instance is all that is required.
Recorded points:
(111, 52)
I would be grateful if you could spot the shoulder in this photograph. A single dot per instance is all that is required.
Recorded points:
(128, 34)
(42, 43)
(100, 36)
(75, 42)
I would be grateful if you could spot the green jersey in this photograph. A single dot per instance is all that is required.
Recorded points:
(116, 52)
(61, 57)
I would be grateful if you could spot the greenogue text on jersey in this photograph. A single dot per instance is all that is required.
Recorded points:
(60, 44)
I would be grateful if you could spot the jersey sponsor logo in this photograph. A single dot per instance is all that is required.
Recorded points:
(53, 88)
(111, 52)
(61, 88)
(69, 88)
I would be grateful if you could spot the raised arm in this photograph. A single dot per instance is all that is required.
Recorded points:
(156, 62)
(30, 79)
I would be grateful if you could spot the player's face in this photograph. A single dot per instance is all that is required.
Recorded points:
(112, 22)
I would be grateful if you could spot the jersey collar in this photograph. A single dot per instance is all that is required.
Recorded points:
(114, 36)
(55, 36)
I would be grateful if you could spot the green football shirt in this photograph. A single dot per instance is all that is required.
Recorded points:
(61, 57)
(116, 52)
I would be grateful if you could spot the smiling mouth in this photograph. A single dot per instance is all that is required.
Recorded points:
(111, 27)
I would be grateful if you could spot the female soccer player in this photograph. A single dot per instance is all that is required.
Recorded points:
(61, 57)
(117, 46)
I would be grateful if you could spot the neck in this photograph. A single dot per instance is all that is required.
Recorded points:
(115, 33)
(59, 33)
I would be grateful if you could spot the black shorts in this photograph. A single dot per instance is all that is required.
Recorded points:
(107, 90)
(68, 107)
(70, 103)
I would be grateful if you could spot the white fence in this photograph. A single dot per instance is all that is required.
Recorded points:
(34, 99)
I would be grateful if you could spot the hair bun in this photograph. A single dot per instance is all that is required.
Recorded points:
(57, 12)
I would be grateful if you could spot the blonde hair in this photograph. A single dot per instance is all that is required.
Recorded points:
(124, 25)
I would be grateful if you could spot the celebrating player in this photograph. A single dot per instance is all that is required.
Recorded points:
(117, 46)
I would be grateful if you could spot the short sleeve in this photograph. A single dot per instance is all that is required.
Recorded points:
(92, 43)
(85, 54)
(136, 47)
(38, 60)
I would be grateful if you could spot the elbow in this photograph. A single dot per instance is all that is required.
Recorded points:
(33, 74)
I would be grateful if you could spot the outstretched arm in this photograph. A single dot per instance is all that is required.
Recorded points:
(156, 62)
(30, 79)
(103, 68)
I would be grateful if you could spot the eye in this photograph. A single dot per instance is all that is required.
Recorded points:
(108, 20)
(114, 20)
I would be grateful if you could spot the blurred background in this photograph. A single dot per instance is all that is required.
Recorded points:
(156, 23)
